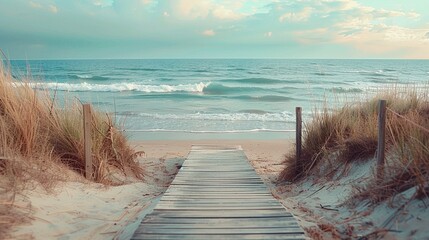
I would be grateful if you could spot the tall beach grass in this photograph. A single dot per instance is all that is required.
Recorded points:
(349, 134)
(40, 142)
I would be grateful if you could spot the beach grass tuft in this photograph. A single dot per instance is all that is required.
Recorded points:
(40, 142)
(349, 134)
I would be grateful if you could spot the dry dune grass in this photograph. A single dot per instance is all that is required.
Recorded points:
(40, 142)
(350, 134)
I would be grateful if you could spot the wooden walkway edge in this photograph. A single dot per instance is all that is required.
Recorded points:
(218, 195)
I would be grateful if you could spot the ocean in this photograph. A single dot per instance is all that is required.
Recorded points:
(218, 98)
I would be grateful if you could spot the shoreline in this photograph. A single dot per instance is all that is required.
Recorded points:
(135, 136)
(255, 149)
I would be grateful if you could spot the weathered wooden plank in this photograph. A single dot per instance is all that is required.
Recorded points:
(210, 202)
(225, 188)
(207, 207)
(202, 191)
(251, 189)
(217, 175)
(217, 203)
(208, 231)
(218, 207)
(222, 202)
(214, 221)
(208, 179)
(214, 197)
(172, 213)
(254, 224)
(226, 194)
(216, 183)
(220, 236)
(219, 185)
(219, 195)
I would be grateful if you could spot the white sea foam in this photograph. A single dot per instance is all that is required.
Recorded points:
(210, 131)
(119, 87)
(266, 117)
(84, 76)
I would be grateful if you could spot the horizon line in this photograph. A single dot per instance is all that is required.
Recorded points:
(238, 58)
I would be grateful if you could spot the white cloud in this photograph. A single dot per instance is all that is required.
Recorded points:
(367, 20)
(209, 32)
(353, 8)
(165, 14)
(46, 7)
(413, 15)
(354, 24)
(301, 16)
(398, 34)
(387, 39)
(35, 4)
(202, 9)
(268, 34)
(53, 8)
(221, 12)
(102, 3)
(336, 5)
(191, 9)
(367, 29)
(383, 13)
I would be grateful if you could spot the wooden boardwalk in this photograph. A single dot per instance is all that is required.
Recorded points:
(218, 195)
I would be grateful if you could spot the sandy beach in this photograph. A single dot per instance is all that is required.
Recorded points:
(80, 210)
(272, 150)
(77, 209)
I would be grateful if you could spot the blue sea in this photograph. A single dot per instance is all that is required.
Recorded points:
(218, 98)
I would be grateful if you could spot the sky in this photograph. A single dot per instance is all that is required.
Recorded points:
(99, 29)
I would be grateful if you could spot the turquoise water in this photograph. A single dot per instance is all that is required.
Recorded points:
(242, 98)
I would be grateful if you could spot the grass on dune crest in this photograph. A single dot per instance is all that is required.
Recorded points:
(40, 142)
(349, 134)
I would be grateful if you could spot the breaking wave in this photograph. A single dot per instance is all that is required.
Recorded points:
(240, 116)
(120, 87)
(89, 77)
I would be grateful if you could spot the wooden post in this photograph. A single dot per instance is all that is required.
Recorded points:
(87, 119)
(298, 134)
(381, 138)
